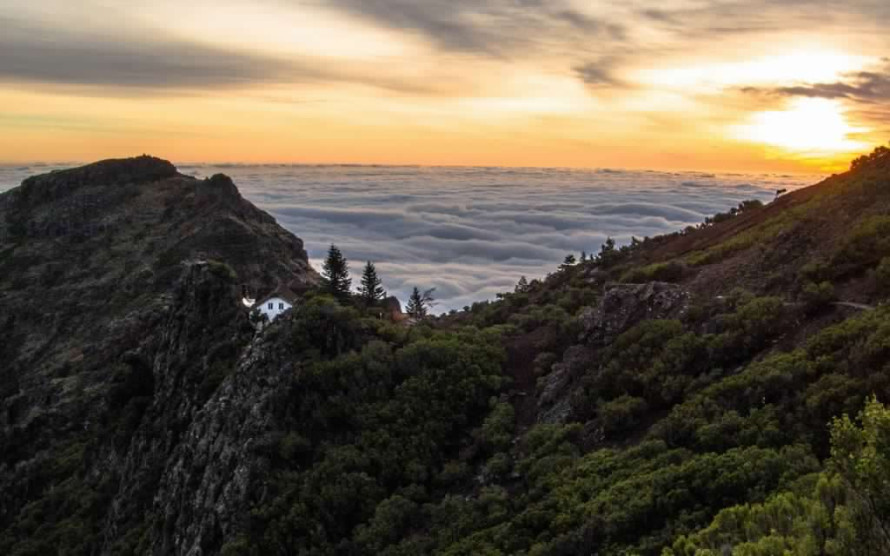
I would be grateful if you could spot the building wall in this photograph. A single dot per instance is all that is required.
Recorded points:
(274, 307)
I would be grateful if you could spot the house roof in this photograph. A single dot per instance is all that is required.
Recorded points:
(286, 295)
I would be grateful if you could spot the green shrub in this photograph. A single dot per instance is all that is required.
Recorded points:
(622, 413)
(882, 275)
(865, 246)
(843, 510)
(672, 271)
(817, 296)
(496, 433)
(815, 271)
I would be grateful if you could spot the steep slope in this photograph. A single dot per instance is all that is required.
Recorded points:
(692, 372)
(120, 286)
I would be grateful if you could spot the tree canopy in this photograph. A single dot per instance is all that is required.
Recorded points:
(371, 290)
(419, 303)
(336, 274)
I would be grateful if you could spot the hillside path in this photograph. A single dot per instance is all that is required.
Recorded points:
(860, 306)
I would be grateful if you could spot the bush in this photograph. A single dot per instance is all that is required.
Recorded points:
(672, 271)
(882, 275)
(865, 246)
(842, 510)
(815, 271)
(622, 413)
(817, 296)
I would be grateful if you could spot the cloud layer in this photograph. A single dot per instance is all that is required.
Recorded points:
(472, 232)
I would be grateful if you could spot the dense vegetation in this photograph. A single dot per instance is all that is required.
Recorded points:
(402, 447)
(378, 417)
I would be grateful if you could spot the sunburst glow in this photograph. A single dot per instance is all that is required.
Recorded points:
(809, 125)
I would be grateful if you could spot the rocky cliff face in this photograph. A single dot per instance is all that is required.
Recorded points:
(216, 470)
(120, 287)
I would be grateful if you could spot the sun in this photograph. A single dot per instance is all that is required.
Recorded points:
(809, 126)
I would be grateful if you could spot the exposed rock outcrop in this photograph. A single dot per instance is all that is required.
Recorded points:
(621, 307)
(218, 468)
(624, 305)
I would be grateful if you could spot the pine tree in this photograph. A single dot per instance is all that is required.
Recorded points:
(371, 290)
(336, 274)
(608, 252)
(420, 303)
(568, 261)
(522, 285)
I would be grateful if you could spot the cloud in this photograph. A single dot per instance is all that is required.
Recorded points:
(33, 52)
(863, 86)
(596, 73)
(866, 92)
(492, 27)
(599, 44)
(148, 60)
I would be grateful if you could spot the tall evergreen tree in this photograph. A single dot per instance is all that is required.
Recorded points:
(522, 285)
(371, 290)
(608, 252)
(336, 274)
(419, 303)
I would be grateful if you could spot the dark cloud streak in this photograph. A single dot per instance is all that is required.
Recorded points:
(867, 91)
(149, 61)
(597, 73)
(487, 27)
(865, 86)
(30, 52)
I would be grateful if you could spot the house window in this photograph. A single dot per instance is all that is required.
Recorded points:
(281, 306)
(271, 306)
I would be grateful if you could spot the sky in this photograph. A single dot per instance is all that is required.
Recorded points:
(728, 85)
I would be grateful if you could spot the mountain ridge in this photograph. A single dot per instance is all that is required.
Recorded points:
(96, 263)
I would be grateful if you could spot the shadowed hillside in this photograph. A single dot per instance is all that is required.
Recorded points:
(118, 281)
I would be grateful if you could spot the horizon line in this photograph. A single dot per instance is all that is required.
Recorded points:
(603, 169)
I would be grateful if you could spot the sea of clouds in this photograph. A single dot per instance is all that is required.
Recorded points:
(472, 232)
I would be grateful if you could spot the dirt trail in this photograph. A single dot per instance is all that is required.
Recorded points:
(860, 306)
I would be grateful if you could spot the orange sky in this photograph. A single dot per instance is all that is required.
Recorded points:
(755, 85)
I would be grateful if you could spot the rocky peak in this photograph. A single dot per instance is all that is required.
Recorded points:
(139, 170)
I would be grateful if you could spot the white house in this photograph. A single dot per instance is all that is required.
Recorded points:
(275, 305)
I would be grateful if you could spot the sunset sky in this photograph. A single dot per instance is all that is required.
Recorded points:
(746, 85)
